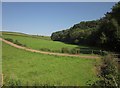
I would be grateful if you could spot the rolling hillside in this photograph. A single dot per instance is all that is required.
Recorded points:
(27, 67)
(39, 42)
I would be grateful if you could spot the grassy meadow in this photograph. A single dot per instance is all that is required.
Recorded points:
(44, 43)
(39, 43)
(85, 54)
(33, 68)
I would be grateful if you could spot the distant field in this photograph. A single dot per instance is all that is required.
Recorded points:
(31, 68)
(25, 35)
(40, 43)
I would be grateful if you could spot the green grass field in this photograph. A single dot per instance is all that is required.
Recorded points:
(36, 43)
(30, 68)
(26, 35)
(43, 43)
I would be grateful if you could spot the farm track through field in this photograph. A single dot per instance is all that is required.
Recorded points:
(49, 53)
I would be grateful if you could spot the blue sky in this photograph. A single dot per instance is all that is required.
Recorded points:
(43, 18)
(60, 0)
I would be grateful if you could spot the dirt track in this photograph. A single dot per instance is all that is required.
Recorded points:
(50, 53)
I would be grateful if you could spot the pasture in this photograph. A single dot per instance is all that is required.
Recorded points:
(44, 43)
(40, 43)
(32, 68)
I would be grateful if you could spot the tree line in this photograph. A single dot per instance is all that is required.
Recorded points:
(103, 32)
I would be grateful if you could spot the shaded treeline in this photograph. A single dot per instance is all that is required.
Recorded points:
(103, 33)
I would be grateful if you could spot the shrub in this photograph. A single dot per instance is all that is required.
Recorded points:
(65, 50)
(108, 72)
(15, 42)
(75, 51)
(24, 45)
(18, 43)
(45, 49)
(104, 53)
(86, 51)
(9, 39)
(99, 52)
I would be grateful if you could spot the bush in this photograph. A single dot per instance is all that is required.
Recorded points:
(15, 42)
(70, 51)
(18, 43)
(75, 51)
(107, 72)
(45, 49)
(9, 39)
(104, 53)
(24, 45)
(86, 51)
(65, 50)
(99, 52)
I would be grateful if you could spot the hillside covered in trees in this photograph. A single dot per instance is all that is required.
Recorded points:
(103, 33)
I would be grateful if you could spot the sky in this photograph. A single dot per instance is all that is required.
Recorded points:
(60, 0)
(43, 18)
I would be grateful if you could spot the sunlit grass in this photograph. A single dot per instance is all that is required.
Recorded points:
(31, 67)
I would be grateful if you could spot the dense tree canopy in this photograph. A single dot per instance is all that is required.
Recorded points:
(104, 32)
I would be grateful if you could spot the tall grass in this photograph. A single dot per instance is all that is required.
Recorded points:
(45, 69)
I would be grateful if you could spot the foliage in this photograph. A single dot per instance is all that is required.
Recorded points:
(108, 72)
(74, 35)
(9, 39)
(104, 33)
(110, 26)
(45, 49)
(65, 50)
(15, 42)
(18, 43)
